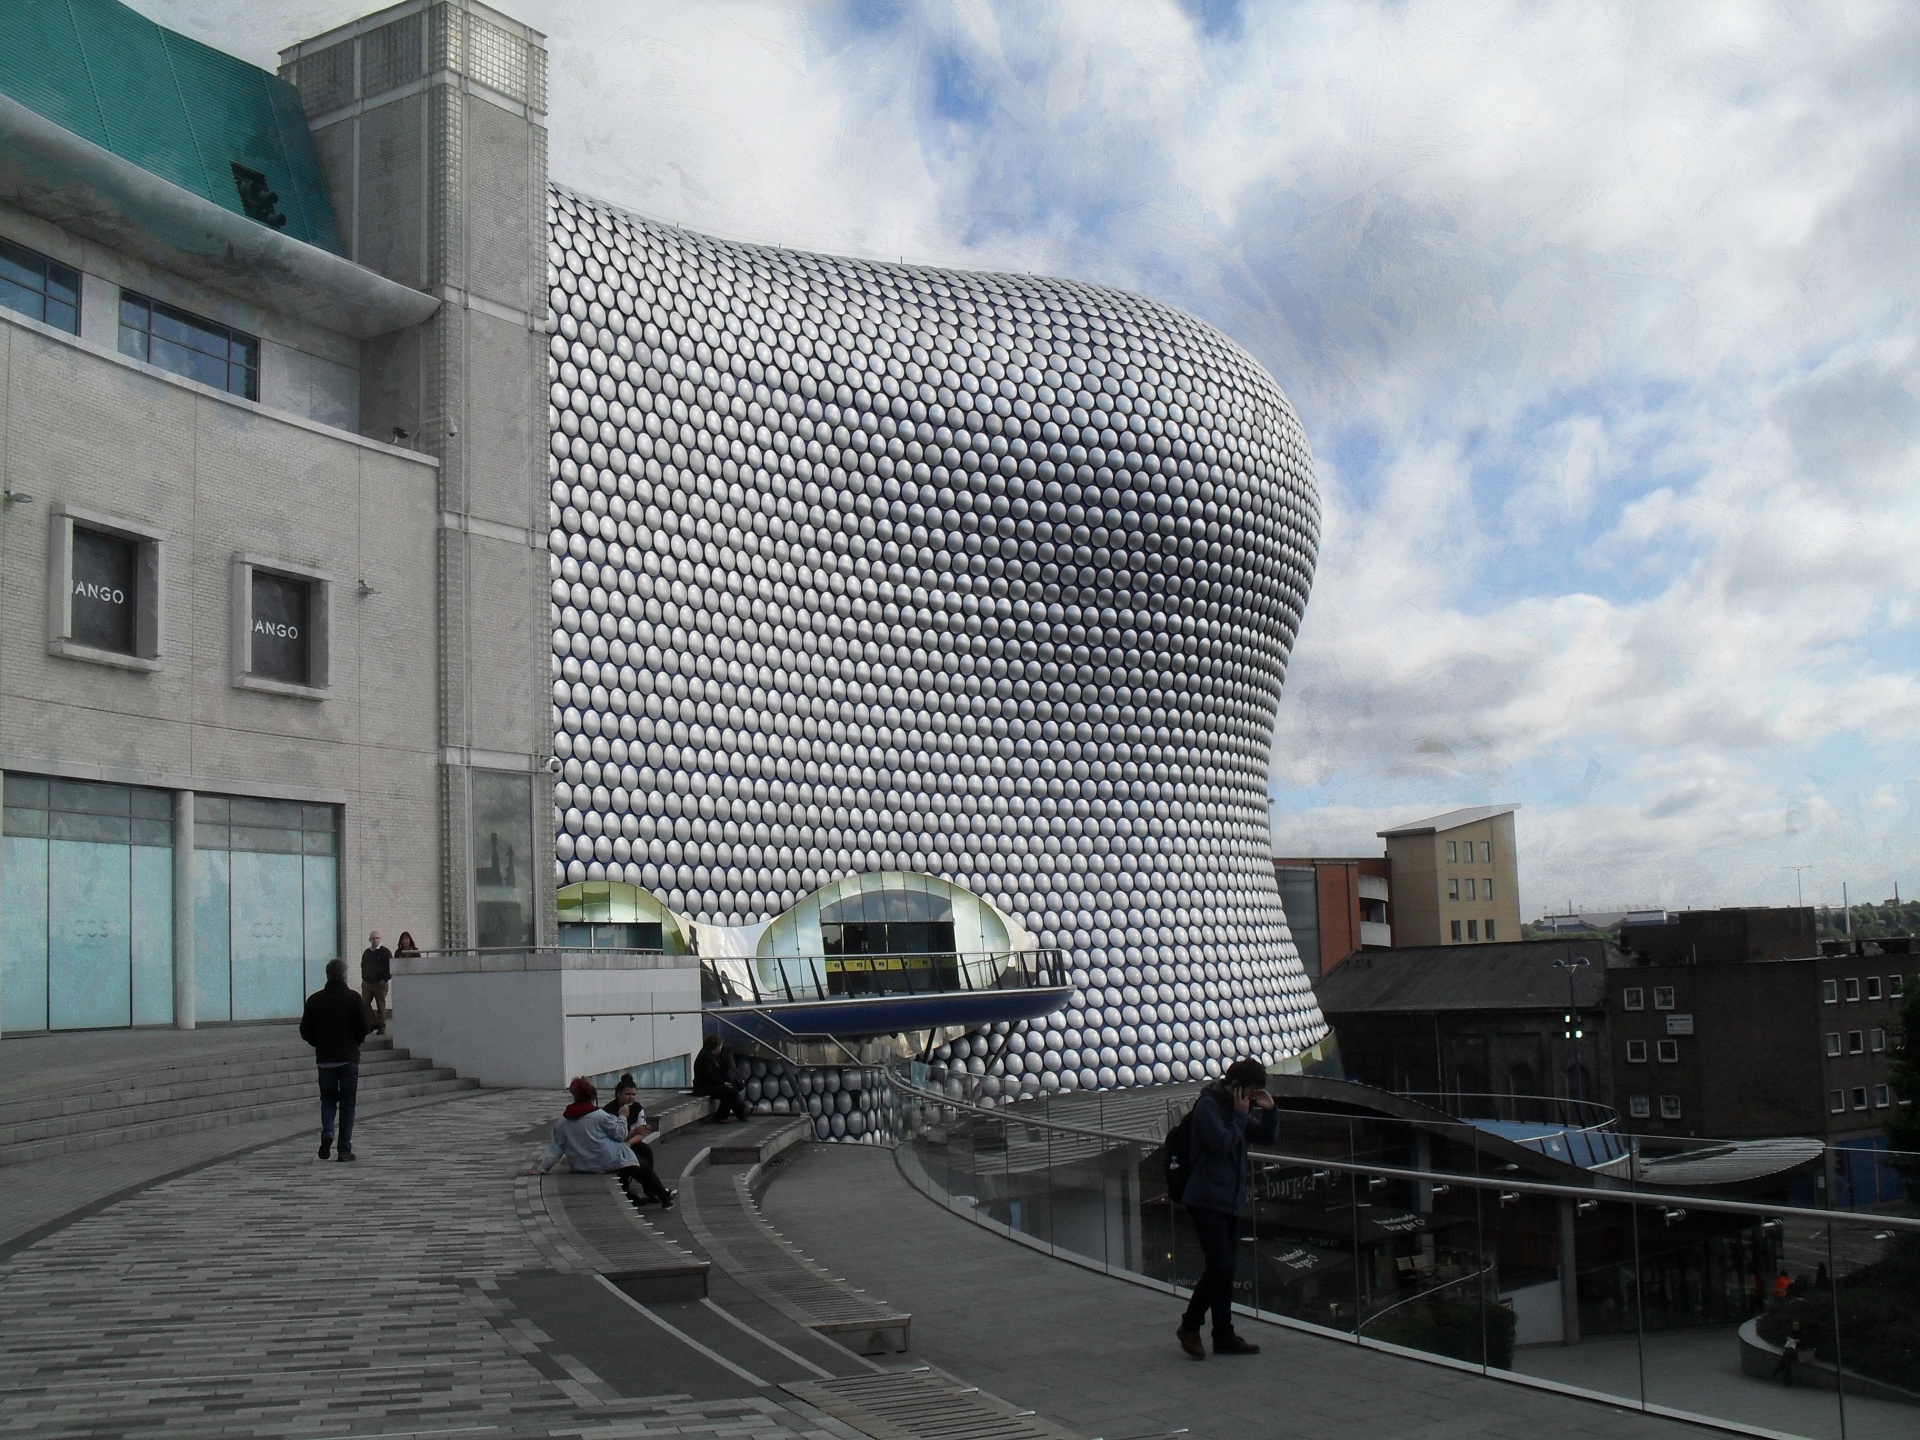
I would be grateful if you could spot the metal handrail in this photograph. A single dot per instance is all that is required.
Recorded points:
(739, 978)
(1453, 1101)
(899, 1077)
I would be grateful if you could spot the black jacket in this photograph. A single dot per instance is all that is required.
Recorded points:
(334, 1022)
(712, 1072)
(376, 964)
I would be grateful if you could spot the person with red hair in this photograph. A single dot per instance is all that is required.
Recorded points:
(593, 1141)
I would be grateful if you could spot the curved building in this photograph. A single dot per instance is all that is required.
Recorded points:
(863, 567)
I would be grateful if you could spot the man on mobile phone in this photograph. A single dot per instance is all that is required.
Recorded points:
(1228, 1113)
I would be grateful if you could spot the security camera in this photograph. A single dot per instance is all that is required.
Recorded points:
(553, 764)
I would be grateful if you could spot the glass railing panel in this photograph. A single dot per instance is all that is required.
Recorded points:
(1078, 1194)
(1302, 1261)
(1865, 1326)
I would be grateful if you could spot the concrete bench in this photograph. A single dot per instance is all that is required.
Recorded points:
(756, 1141)
(596, 1217)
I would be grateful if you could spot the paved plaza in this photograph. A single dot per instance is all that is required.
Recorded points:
(228, 1283)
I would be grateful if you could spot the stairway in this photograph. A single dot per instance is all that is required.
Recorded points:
(228, 1086)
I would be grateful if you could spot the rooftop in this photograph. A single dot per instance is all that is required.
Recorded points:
(1452, 820)
(1425, 979)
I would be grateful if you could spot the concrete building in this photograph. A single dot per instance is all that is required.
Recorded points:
(1455, 878)
(1721, 937)
(1336, 907)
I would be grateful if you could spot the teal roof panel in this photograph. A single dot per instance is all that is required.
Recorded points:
(176, 108)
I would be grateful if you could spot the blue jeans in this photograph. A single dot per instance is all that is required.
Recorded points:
(1219, 1236)
(339, 1090)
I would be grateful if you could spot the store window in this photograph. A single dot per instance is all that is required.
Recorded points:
(86, 906)
(39, 287)
(1636, 1052)
(281, 622)
(1638, 1107)
(266, 915)
(502, 870)
(104, 588)
(1633, 998)
(1668, 1051)
(190, 345)
(1669, 1107)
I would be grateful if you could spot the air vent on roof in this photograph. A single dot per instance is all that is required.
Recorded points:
(256, 199)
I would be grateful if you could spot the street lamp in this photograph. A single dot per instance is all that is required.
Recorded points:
(1570, 964)
(1799, 895)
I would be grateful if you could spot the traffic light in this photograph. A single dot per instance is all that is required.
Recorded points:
(1573, 1031)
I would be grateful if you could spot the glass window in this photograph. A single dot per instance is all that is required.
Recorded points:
(1473, 891)
(1636, 1052)
(1473, 929)
(1456, 932)
(1837, 1101)
(1896, 986)
(1663, 997)
(1489, 925)
(200, 349)
(39, 287)
(266, 904)
(1453, 852)
(1853, 988)
(105, 591)
(1486, 852)
(279, 644)
(1873, 987)
(1453, 888)
(1856, 1043)
(1486, 888)
(1882, 1097)
(1833, 1042)
(1638, 1107)
(1877, 1039)
(1633, 998)
(502, 861)
(1859, 1097)
(1669, 1052)
(1830, 992)
(1669, 1107)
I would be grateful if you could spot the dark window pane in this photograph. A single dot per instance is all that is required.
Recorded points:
(184, 360)
(280, 628)
(84, 797)
(104, 595)
(318, 844)
(63, 284)
(153, 832)
(200, 349)
(133, 342)
(25, 822)
(63, 316)
(103, 829)
(503, 867)
(208, 837)
(24, 298)
(39, 287)
(276, 814)
(153, 804)
(317, 817)
(212, 809)
(27, 792)
(259, 839)
(184, 329)
(22, 267)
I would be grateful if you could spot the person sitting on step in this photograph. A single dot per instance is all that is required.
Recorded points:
(592, 1141)
(626, 1104)
(713, 1078)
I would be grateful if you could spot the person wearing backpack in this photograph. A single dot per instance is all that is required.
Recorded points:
(1213, 1183)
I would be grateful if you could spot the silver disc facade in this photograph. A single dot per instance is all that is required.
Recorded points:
(990, 577)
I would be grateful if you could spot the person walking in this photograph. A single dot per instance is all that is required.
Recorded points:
(1227, 1114)
(334, 1022)
(593, 1141)
(626, 1104)
(376, 971)
(713, 1077)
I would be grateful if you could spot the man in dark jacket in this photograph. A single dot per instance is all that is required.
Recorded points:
(335, 1022)
(713, 1077)
(1227, 1114)
(376, 971)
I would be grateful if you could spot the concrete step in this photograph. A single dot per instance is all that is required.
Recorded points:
(759, 1140)
(303, 1109)
(233, 1065)
(141, 1108)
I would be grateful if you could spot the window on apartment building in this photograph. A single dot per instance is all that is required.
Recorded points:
(1486, 888)
(1669, 1107)
(1456, 932)
(1853, 988)
(1668, 1051)
(1882, 1097)
(1453, 852)
(1836, 1101)
(1636, 1052)
(1663, 997)
(1833, 1042)
(1876, 1039)
(1856, 1043)
(1639, 1107)
(1489, 925)
(1473, 892)
(1473, 929)
(189, 345)
(1486, 852)
(1453, 888)
(1633, 998)
(1830, 992)
(1859, 1097)
(1873, 987)
(39, 287)
(1896, 986)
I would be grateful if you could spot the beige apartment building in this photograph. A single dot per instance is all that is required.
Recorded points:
(1455, 878)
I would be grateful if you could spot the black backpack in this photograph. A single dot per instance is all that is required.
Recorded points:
(1178, 1159)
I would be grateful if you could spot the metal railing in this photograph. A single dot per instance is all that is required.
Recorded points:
(1518, 1109)
(1435, 1241)
(783, 979)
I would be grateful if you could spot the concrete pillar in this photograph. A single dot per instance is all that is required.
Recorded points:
(3, 884)
(184, 1003)
(1569, 1275)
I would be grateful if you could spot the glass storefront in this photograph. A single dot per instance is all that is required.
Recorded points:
(86, 917)
(502, 844)
(266, 913)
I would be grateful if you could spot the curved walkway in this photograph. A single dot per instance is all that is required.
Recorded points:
(1098, 1355)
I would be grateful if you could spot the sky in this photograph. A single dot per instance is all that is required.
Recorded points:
(1601, 319)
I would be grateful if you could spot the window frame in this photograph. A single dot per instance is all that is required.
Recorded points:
(1639, 1107)
(1633, 997)
(1834, 1048)
(1896, 986)
(1836, 1102)
(1636, 1052)
(1486, 852)
(1667, 1052)
(319, 626)
(1455, 932)
(188, 317)
(1829, 992)
(1873, 987)
(1670, 1108)
(47, 266)
(1473, 930)
(1877, 1040)
(1856, 1042)
(1660, 990)
(1489, 932)
(1882, 1096)
(1859, 1098)
(1853, 989)
(149, 626)
(1453, 887)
